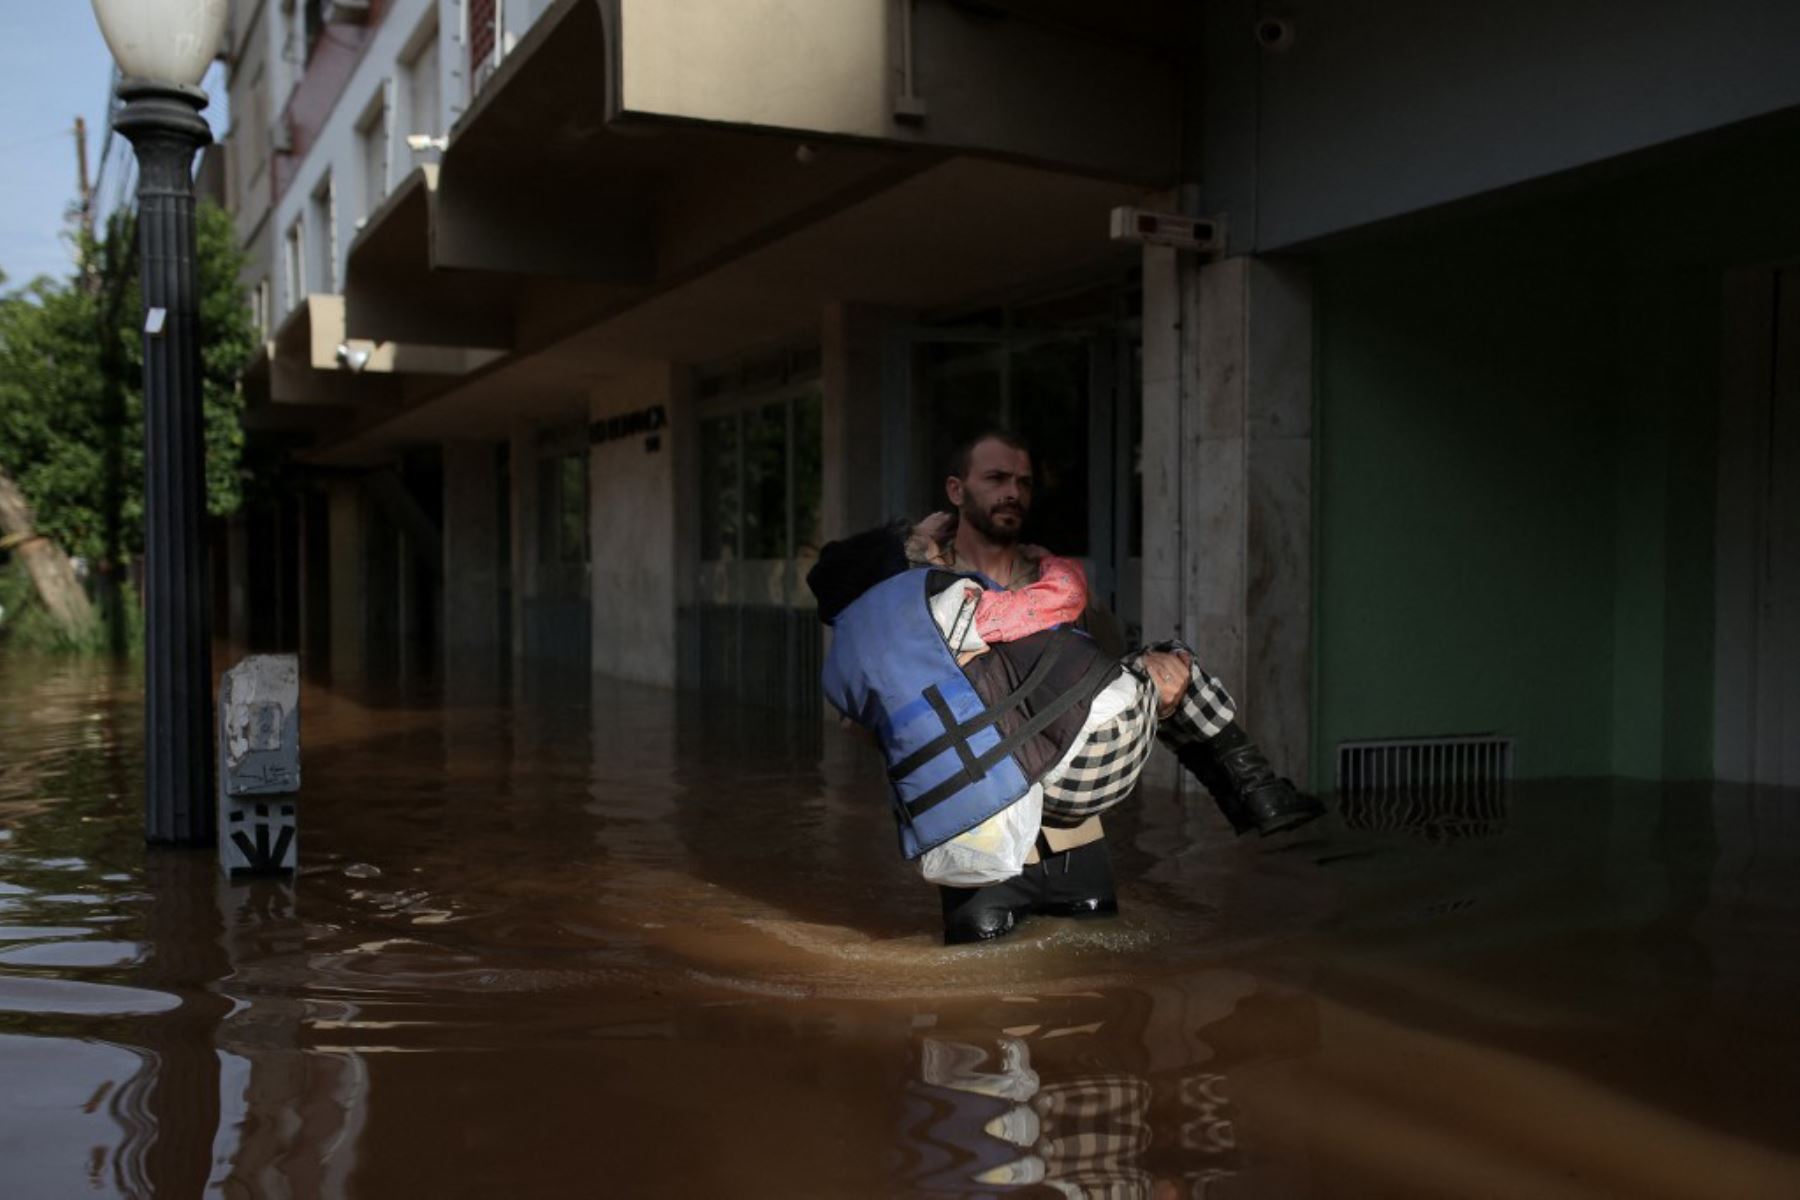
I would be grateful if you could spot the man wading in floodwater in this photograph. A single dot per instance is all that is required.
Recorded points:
(1008, 731)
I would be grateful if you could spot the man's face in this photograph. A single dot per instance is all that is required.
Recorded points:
(995, 496)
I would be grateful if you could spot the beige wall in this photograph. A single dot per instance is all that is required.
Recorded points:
(632, 506)
(736, 62)
(1006, 86)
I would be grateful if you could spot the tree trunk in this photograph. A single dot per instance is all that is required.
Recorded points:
(44, 561)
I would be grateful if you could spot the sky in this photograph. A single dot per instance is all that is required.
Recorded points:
(53, 65)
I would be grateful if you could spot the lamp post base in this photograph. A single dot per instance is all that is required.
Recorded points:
(166, 129)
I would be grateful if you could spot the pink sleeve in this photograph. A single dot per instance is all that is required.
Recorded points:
(1059, 595)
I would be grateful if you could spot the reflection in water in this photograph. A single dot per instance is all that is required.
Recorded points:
(622, 942)
(81, 1125)
(1125, 1093)
(1082, 1136)
(289, 1121)
(1437, 815)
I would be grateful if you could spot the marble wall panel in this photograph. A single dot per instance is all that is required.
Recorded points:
(632, 507)
(1228, 379)
(1278, 602)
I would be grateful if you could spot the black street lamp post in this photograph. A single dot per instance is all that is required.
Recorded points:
(166, 129)
(163, 47)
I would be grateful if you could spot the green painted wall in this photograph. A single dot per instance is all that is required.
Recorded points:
(1665, 447)
(1514, 499)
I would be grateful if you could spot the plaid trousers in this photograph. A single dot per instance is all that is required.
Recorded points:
(1107, 767)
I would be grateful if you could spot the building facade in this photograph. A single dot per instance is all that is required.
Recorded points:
(590, 320)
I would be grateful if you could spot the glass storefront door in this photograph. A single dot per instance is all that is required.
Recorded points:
(1061, 372)
(752, 633)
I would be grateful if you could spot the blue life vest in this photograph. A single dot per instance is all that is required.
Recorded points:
(949, 765)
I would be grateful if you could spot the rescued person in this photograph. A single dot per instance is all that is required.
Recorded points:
(1007, 737)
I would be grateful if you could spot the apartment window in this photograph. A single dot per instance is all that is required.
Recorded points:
(421, 76)
(322, 217)
(563, 508)
(256, 133)
(259, 308)
(294, 265)
(372, 140)
(761, 477)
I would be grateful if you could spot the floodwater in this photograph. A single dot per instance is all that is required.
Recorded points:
(612, 943)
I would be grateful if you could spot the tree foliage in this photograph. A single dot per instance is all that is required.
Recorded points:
(71, 387)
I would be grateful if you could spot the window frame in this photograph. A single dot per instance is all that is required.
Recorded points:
(555, 449)
(376, 127)
(738, 406)
(424, 41)
(294, 262)
(322, 211)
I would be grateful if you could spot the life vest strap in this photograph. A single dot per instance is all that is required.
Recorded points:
(976, 767)
(958, 733)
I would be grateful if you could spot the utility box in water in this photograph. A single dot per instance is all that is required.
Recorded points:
(259, 765)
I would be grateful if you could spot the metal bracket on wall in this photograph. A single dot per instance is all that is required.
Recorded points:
(1200, 235)
(909, 106)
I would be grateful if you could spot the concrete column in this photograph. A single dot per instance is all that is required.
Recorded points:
(1168, 378)
(522, 473)
(314, 577)
(472, 637)
(348, 532)
(384, 629)
(851, 349)
(1756, 718)
(1228, 383)
(288, 548)
(237, 575)
(632, 528)
(406, 607)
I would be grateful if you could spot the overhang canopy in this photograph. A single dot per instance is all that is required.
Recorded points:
(541, 178)
(624, 145)
(965, 230)
(302, 366)
(1082, 88)
(392, 293)
(585, 214)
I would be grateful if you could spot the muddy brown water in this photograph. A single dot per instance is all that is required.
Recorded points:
(606, 941)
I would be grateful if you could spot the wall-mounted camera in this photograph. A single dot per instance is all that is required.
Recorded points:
(355, 357)
(1274, 34)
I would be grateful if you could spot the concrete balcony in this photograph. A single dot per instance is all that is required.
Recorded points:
(1055, 85)
(313, 377)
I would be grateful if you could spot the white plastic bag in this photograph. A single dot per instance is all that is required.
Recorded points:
(954, 611)
(993, 850)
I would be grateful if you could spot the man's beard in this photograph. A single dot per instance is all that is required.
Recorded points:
(983, 521)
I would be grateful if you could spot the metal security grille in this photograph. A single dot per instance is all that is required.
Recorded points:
(1445, 788)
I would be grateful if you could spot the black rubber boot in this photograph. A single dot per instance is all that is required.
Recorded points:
(981, 913)
(1245, 786)
(1076, 883)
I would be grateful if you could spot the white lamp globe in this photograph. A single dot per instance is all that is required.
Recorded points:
(162, 41)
